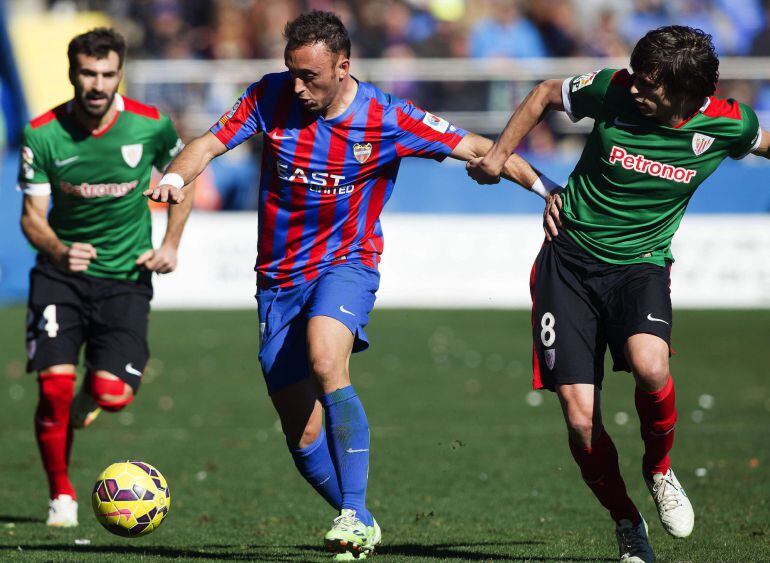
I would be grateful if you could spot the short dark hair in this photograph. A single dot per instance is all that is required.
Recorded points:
(97, 42)
(317, 27)
(680, 58)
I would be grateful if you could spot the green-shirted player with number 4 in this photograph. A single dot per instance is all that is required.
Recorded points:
(658, 133)
(91, 284)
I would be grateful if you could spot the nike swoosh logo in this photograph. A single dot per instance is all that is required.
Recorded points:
(59, 163)
(280, 137)
(132, 370)
(620, 123)
(352, 451)
(653, 319)
(344, 310)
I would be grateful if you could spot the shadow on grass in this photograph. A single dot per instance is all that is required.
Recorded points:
(405, 551)
(4, 518)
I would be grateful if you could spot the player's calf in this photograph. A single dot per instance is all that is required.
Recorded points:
(100, 391)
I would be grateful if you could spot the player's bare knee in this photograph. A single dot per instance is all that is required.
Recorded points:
(651, 372)
(110, 392)
(325, 368)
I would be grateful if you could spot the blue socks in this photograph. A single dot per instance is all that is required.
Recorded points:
(349, 447)
(315, 465)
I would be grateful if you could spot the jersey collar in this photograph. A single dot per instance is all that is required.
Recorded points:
(120, 106)
(706, 104)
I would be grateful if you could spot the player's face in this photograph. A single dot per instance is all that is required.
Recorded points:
(650, 98)
(317, 75)
(96, 82)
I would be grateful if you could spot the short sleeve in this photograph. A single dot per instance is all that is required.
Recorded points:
(33, 176)
(583, 95)
(424, 135)
(749, 136)
(169, 144)
(243, 120)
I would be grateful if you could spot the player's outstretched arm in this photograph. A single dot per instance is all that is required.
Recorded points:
(34, 225)
(473, 148)
(163, 260)
(516, 169)
(187, 165)
(545, 97)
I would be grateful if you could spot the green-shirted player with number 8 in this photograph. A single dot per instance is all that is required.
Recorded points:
(91, 156)
(658, 133)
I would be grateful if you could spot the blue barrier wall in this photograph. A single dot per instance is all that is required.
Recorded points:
(16, 256)
(424, 187)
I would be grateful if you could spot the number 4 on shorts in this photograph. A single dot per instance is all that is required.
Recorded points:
(49, 318)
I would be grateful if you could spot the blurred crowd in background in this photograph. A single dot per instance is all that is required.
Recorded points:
(244, 29)
(208, 30)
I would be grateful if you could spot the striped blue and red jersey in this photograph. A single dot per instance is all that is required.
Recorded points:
(324, 182)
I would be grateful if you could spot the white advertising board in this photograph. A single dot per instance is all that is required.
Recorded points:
(468, 261)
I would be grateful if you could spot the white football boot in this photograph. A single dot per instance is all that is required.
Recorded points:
(633, 545)
(674, 508)
(62, 512)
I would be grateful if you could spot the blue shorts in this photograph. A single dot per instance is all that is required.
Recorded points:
(345, 292)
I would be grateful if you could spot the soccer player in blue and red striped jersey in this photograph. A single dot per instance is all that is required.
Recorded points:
(333, 146)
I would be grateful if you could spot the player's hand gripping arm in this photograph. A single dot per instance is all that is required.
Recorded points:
(187, 165)
(34, 225)
(545, 97)
(473, 147)
(164, 259)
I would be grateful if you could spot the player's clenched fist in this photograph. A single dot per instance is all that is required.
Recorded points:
(161, 260)
(77, 257)
(480, 170)
(164, 194)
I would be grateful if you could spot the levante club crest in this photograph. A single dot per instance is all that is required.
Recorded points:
(362, 152)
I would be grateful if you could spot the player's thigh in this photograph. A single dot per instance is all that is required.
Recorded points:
(567, 338)
(641, 304)
(55, 320)
(346, 293)
(283, 336)
(117, 333)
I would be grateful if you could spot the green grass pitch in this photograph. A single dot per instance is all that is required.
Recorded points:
(467, 465)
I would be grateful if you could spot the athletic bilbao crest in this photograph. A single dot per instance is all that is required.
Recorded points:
(550, 358)
(132, 154)
(701, 143)
(362, 152)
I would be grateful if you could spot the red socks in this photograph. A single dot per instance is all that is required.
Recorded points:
(657, 417)
(599, 467)
(101, 386)
(53, 431)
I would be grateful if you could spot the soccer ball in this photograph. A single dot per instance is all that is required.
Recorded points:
(131, 498)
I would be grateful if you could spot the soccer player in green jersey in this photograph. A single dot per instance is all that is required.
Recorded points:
(604, 280)
(91, 283)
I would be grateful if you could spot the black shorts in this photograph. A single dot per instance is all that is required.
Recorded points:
(109, 316)
(581, 305)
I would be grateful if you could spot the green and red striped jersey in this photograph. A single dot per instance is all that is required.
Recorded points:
(628, 192)
(96, 179)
